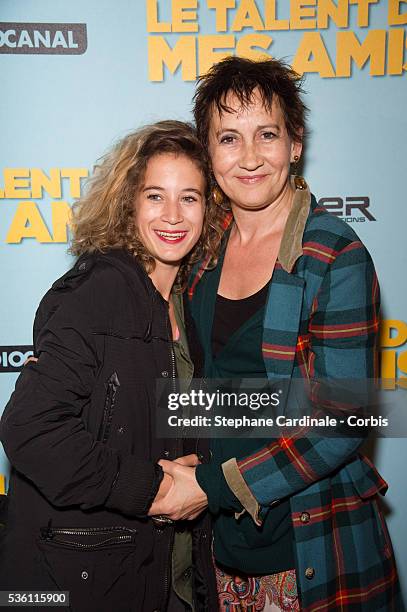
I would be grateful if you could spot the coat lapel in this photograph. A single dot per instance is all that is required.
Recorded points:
(282, 323)
(283, 312)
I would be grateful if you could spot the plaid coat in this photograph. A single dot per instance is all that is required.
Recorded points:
(321, 321)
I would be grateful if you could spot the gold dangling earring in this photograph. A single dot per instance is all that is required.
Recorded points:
(299, 181)
(295, 166)
(217, 196)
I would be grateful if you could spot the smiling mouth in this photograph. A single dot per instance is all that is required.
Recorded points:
(251, 180)
(171, 237)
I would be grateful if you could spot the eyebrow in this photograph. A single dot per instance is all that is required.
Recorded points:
(274, 126)
(158, 188)
(147, 187)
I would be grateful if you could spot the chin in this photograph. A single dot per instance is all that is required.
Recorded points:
(252, 205)
(170, 260)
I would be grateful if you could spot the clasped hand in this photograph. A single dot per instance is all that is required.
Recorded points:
(179, 497)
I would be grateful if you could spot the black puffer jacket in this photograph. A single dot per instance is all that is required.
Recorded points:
(79, 431)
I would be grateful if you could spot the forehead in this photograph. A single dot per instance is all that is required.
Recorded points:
(255, 110)
(172, 167)
(165, 160)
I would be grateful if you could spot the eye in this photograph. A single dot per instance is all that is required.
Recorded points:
(155, 197)
(228, 139)
(189, 199)
(268, 135)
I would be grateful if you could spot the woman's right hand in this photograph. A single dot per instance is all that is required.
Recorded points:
(165, 485)
(185, 499)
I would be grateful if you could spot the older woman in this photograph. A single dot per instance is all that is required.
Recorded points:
(79, 429)
(294, 295)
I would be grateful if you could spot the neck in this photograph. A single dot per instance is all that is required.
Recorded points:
(255, 224)
(163, 277)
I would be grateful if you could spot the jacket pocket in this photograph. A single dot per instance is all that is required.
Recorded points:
(112, 386)
(88, 538)
(99, 566)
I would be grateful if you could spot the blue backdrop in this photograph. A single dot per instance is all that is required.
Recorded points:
(76, 76)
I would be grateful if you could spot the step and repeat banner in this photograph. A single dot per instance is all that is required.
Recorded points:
(76, 76)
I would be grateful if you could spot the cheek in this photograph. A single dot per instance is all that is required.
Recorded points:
(221, 165)
(138, 220)
(142, 224)
(196, 220)
(217, 160)
(280, 159)
(144, 213)
(284, 160)
(199, 220)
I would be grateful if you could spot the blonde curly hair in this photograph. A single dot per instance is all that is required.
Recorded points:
(104, 217)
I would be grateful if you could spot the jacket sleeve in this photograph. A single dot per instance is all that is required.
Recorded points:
(45, 437)
(343, 329)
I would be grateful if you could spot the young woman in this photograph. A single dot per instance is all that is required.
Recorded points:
(79, 429)
(297, 524)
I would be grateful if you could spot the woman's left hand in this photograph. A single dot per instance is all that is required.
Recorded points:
(185, 499)
(32, 358)
(189, 460)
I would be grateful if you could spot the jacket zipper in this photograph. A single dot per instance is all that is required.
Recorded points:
(173, 370)
(168, 569)
(202, 385)
(125, 535)
(79, 545)
(112, 386)
(168, 573)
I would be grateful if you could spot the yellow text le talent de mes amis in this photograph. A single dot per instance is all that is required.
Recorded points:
(29, 184)
(383, 49)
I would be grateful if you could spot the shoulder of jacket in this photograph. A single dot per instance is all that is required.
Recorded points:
(325, 223)
(91, 268)
(93, 291)
(92, 279)
(75, 275)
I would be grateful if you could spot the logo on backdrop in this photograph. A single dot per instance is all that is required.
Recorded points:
(43, 38)
(380, 51)
(393, 353)
(29, 184)
(352, 209)
(12, 358)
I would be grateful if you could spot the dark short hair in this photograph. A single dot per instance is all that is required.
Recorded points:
(241, 76)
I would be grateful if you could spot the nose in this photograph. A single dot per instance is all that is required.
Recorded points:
(172, 212)
(250, 158)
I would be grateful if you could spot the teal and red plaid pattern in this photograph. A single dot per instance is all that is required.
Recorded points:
(321, 322)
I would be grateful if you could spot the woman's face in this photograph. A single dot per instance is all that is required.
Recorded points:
(251, 153)
(169, 207)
